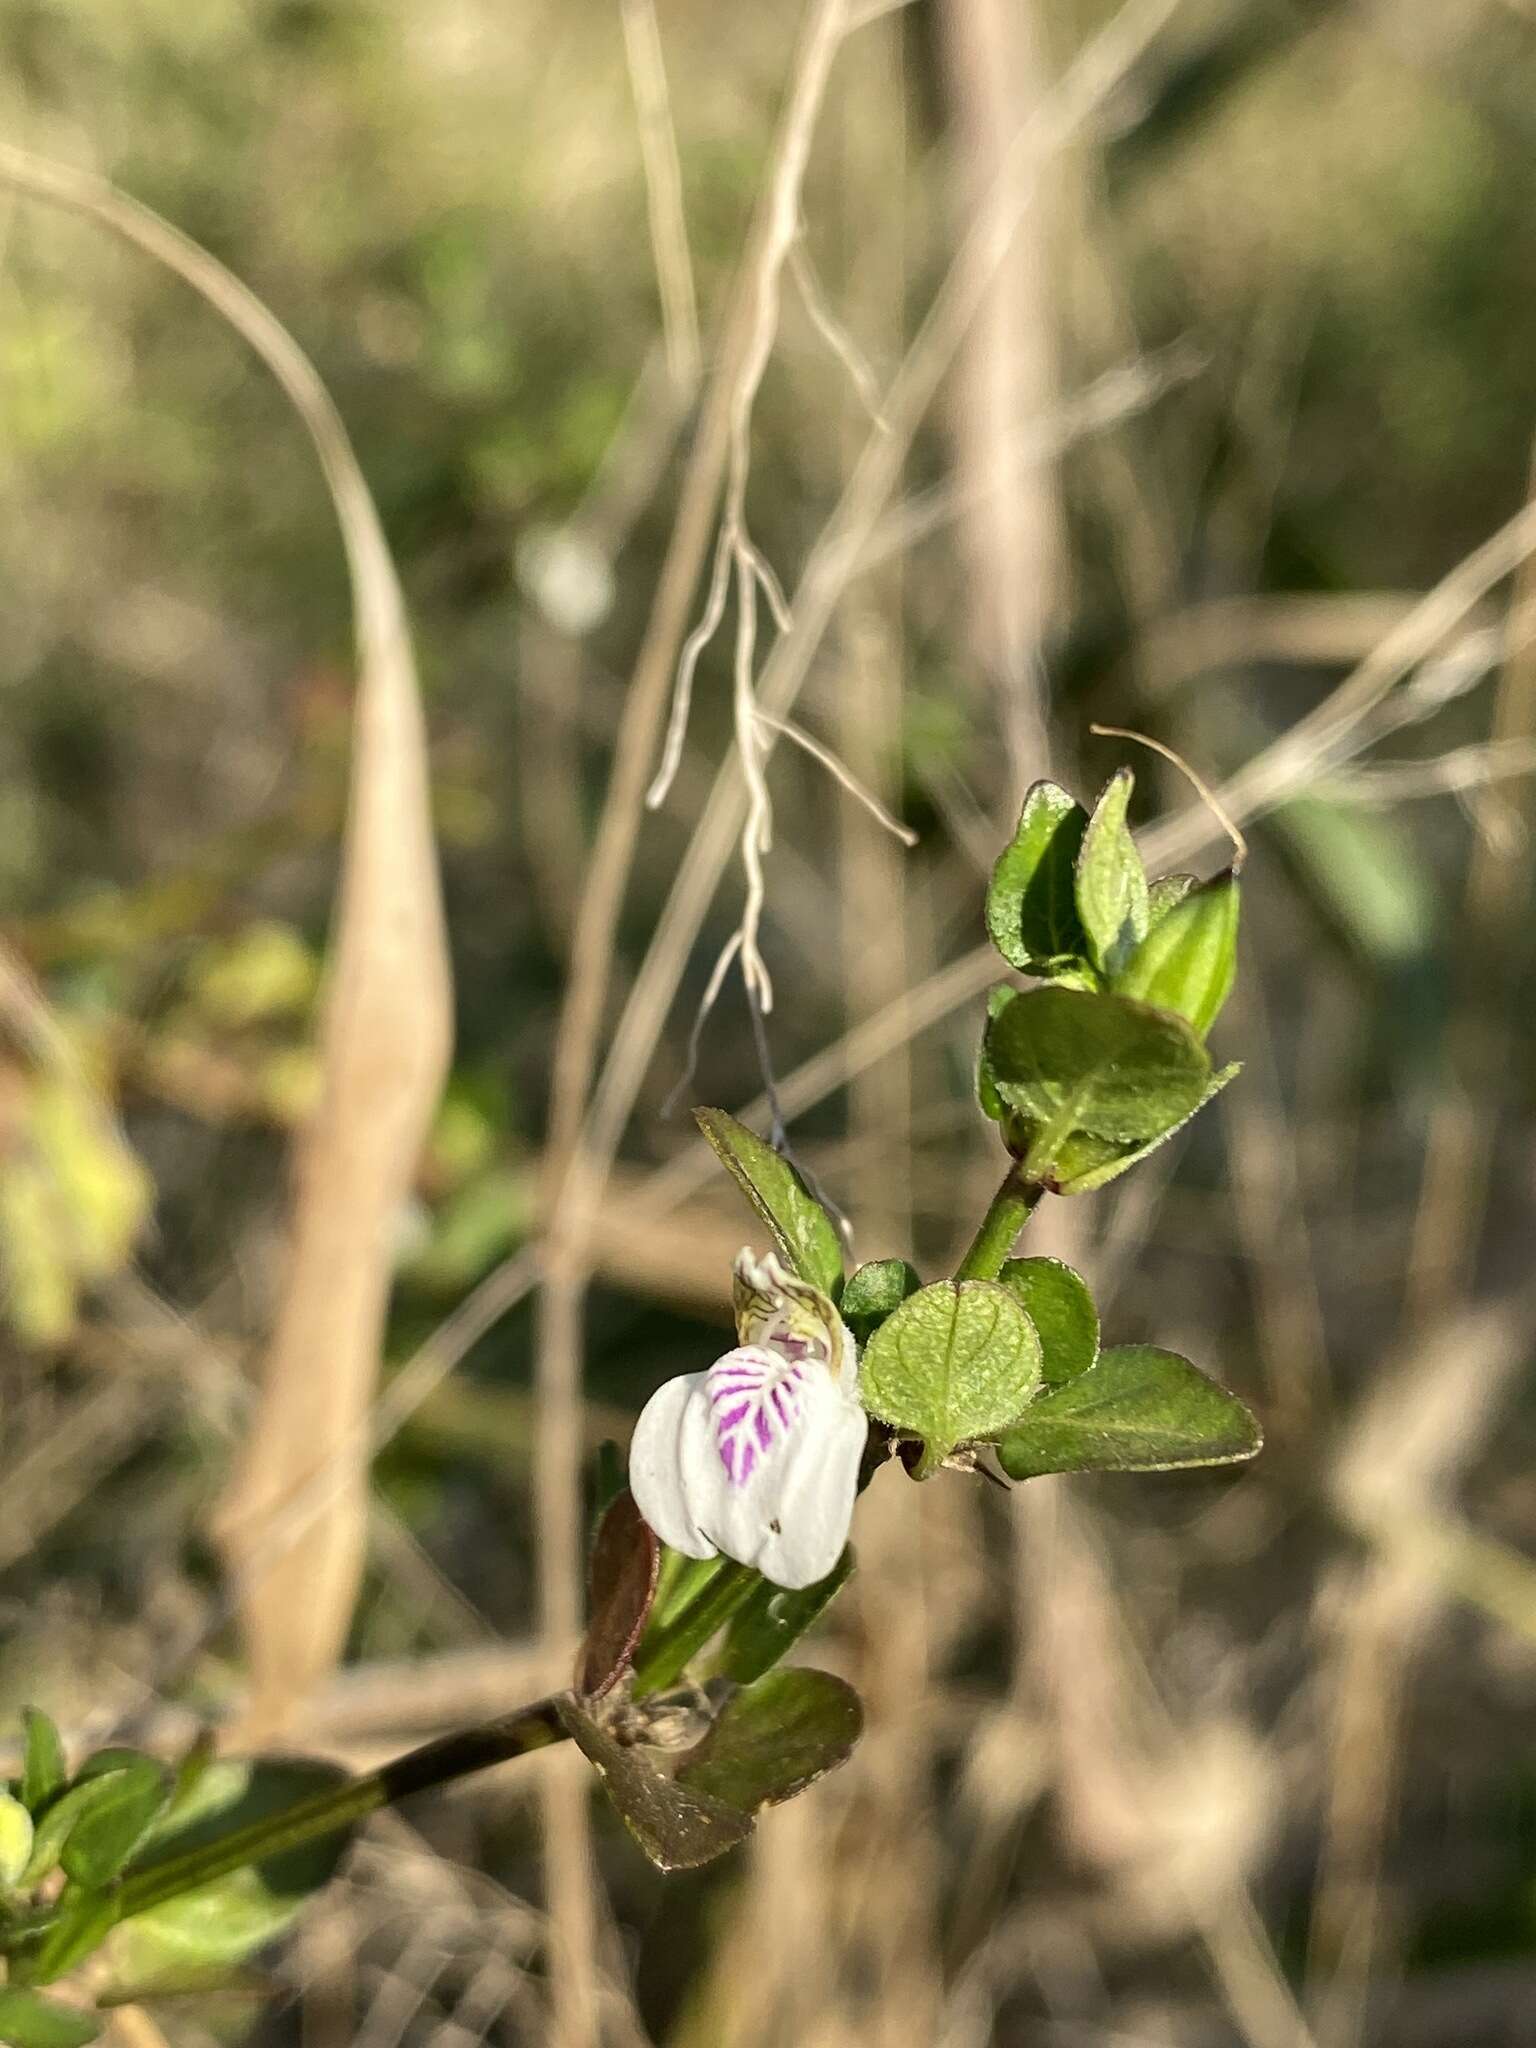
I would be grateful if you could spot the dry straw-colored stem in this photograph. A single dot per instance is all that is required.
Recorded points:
(384, 1040)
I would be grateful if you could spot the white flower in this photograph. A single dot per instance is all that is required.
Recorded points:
(759, 1456)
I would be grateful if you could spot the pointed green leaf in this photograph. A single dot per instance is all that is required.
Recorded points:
(1031, 906)
(1057, 1302)
(1095, 1063)
(875, 1291)
(1166, 894)
(773, 1621)
(803, 1232)
(128, 1798)
(1111, 881)
(677, 1827)
(1138, 1410)
(1187, 962)
(991, 1104)
(86, 1918)
(621, 1584)
(43, 1771)
(15, 1839)
(199, 1941)
(958, 1360)
(27, 2021)
(1085, 1163)
(774, 1738)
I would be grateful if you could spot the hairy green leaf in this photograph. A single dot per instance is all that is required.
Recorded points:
(1057, 1302)
(802, 1230)
(1111, 881)
(1187, 962)
(1031, 909)
(875, 1291)
(1096, 1063)
(1138, 1410)
(958, 1360)
(1085, 1163)
(678, 1827)
(774, 1738)
(1165, 894)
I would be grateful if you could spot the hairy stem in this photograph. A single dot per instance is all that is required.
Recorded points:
(1010, 1210)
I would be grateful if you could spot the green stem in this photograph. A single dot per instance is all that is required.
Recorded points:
(339, 1806)
(1000, 1227)
(667, 1651)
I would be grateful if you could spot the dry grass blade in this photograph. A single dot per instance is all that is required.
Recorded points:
(384, 1043)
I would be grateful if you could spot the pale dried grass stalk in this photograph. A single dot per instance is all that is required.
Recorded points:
(384, 1042)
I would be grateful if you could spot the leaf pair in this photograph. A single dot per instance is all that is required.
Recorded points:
(1088, 1084)
(1069, 901)
(769, 1741)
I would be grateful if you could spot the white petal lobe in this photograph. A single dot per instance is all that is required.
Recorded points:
(657, 1478)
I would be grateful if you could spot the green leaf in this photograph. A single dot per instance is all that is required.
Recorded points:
(875, 1291)
(1368, 872)
(1095, 1063)
(1187, 962)
(43, 1771)
(1138, 1410)
(199, 1940)
(677, 1827)
(773, 1621)
(53, 1829)
(1085, 1163)
(1057, 1302)
(1165, 894)
(991, 1104)
(85, 1920)
(958, 1360)
(774, 1738)
(1031, 912)
(1111, 881)
(27, 2021)
(127, 1799)
(622, 1584)
(15, 1839)
(801, 1229)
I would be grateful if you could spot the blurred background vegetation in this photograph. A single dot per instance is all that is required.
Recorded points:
(1193, 1761)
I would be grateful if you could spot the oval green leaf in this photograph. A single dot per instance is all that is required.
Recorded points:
(1096, 1063)
(803, 1232)
(127, 1799)
(198, 1941)
(1111, 881)
(1057, 1301)
(27, 2021)
(956, 1361)
(1085, 1163)
(678, 1827)
(1031, 903)
(1187, 962)
(876, 1291)
(774, 1738)
(42, 1770)
(1138, 1410)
